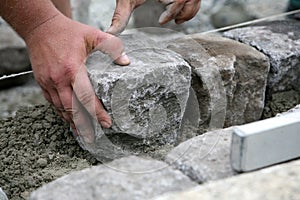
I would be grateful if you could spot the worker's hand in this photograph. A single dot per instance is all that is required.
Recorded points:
(58, 49)
(122, 13)
(179, 10)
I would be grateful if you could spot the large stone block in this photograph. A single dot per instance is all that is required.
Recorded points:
(229, 78)
(126, 178)
(205, 157)
(146, 100)
(279, 40)
(275, 183)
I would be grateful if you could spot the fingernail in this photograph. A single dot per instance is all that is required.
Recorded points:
(105, 124)
(123, 60)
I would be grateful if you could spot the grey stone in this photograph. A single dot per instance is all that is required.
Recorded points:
(146, 100)
(232, 13)
(279, 182)
(148, 15)
(126, 178)
(280, 41)
(229, 78)
(205, 157)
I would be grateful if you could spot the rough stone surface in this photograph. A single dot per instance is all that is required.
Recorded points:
(146, 100)
(126, 178)
(280, 41)
(229, 78)
(205, 157)
(13, 56)
(280, 102)
(280, 182)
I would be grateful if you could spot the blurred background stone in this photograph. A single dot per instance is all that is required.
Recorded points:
(13, 56)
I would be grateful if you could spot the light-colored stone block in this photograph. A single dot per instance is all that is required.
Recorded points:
(204, 158)
(276, 183)
(146, 100)
(127, 178)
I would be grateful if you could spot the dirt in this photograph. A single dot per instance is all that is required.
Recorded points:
(36, 147)
(281, 102)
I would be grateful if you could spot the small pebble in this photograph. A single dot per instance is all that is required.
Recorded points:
(42, 162)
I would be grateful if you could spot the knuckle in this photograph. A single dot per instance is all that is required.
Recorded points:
(68, 71)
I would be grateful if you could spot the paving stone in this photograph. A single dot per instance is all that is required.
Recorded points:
(279, 40)
(126, 178)
(146, 100)
(204, 158)
(229, 78)
(280, 182)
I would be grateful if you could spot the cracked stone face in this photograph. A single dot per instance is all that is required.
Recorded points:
(146, 100)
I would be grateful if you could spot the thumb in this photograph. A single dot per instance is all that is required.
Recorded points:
(112, 46)
(121, 17)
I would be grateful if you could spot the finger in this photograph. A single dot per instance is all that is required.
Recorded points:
(82, 123)
(122, 15)
(189, 10)
(86, 96)
(46, 95)
(120, 18)
(66, 97)
(58, 106)
(113, 46)
(171, 12)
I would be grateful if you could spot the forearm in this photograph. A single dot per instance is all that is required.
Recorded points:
(63, 6)
(25, 15)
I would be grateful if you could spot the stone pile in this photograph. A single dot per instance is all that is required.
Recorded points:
(229, 82)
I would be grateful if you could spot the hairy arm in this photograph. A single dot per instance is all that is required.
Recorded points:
(24, 16)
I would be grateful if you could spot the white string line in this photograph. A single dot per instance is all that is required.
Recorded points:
(15, 75)
(211, 31)
(252, 22)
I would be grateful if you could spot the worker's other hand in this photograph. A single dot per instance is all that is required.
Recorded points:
(122, 13)
(58, 50)
(179, 10)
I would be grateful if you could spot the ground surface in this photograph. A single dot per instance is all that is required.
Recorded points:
(36, 147)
